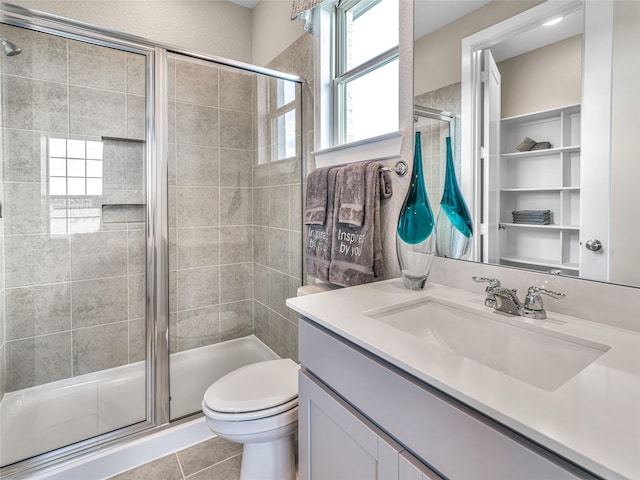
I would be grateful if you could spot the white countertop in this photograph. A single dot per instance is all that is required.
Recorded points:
(593, 419)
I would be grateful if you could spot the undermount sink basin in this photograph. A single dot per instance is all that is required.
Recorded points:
(539, 357)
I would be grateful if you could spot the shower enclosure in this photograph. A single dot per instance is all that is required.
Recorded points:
(436, 125)
(150, 232)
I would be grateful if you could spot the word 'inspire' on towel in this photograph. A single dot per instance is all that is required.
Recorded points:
(343, 243)
(319, 220)
(350, 243)
(318, 240)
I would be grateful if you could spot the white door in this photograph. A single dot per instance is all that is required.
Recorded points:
(595, 175)
(490, 152)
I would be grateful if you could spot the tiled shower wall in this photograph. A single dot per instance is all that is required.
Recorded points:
(211, 143)
(74, 278)
(434, 133)
(278, 218)
(3, 384)
(234, 212)
(75, 282)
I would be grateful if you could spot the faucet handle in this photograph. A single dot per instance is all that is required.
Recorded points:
(533, 302)
(493, 282)
(551, 293)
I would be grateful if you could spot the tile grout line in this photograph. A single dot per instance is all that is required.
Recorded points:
(179, 464)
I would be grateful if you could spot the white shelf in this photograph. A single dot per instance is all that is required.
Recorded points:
(539, 153)
(542, 189)
(546, 179)
(543, 114)
(542, 227)
(541, 262)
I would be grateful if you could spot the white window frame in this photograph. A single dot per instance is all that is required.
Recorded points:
(343, 76)
(328, 151)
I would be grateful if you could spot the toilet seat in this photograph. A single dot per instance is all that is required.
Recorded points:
(255, 391)
(243, 416)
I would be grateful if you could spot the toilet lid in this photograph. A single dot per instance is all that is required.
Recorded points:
(257, 386)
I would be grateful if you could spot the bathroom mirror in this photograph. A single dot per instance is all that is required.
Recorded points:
(547, 86)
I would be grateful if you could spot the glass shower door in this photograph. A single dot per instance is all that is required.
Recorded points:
(73, 283)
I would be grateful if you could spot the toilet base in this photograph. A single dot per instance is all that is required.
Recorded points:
(273, 460)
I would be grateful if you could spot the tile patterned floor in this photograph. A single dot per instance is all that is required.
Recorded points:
(215, 459)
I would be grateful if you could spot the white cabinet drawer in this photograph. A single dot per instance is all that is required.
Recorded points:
(459, 443)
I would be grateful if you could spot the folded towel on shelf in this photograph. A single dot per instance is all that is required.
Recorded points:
(526, 144)
(317, 197)
(538, 217)
(529, 144)
(531, 212)
(356, 251)
(533, 221)
(318, 236)
(541, 146)
(352, 194)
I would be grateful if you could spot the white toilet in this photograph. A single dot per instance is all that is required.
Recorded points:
(257, 405)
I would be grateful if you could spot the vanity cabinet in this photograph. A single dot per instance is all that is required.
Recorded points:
(362, 418)
(340, 443)
(541, 180)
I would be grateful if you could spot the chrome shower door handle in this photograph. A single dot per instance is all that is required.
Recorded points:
(593, 245)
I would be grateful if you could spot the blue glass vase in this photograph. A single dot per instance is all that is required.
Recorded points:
(453, 226)
(415, 239)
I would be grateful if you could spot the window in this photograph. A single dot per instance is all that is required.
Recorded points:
(283, 121)
(75, 167)
(75, 175)
(366, 81)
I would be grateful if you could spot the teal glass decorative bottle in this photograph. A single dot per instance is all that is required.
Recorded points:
(453, 226)
(415, 239)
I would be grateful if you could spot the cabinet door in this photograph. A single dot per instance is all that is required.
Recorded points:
(410, 468)
(336, 442)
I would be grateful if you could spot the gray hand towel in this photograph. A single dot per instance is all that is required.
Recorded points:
(318, 237)
(351, 208)
(356, 252)
(317, 194)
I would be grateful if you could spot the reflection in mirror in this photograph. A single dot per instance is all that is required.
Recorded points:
(538, 188)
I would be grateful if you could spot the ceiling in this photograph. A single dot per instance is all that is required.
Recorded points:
(538, 37)
(245, 3)
(431, 15)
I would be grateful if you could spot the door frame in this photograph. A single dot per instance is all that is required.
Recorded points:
(471, 101)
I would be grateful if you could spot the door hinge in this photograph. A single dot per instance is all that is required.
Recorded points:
(483, 153)
(484, 76)
(483, 229)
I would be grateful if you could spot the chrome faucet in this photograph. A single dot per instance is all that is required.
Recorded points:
(506, 300)
(494, 283)
(533, 302)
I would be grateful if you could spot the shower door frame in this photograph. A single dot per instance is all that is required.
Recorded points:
(156, 231)
(157, 228)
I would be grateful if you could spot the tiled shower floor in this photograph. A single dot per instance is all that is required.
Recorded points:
(47, 417)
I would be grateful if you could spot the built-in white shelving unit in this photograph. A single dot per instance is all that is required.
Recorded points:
(541, 180)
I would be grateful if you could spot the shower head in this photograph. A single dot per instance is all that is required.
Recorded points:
(10, 49)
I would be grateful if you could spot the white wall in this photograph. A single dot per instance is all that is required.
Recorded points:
(273, 30)
(438, 56)
(625, 167)
(542, 79)
(214, 27)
